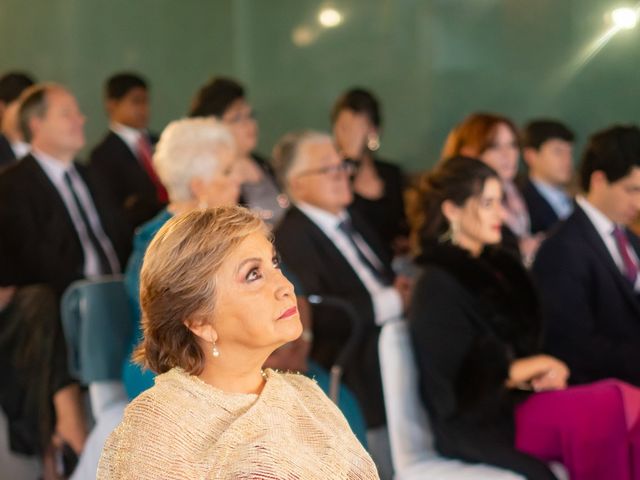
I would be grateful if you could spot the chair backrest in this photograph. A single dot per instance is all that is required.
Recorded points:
(98, 327)
(409, 427)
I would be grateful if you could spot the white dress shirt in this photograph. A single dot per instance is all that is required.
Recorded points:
(55, 170)
(387, 304)
(20, 149)
(604, 227)
(130, 136)
(556, 197)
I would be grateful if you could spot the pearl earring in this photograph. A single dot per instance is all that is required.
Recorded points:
(373, 142)
(214, 351)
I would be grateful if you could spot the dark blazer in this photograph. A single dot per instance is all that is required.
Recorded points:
(39, 243)
(542, 215)
(7, 155)
(113, 164)
(386, 215)
(591, 313)
(469, 318)
(321, 269)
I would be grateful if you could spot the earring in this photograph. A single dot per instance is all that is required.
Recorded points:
(446, 236)
(454, 233)
(214, 351)
(373, 142)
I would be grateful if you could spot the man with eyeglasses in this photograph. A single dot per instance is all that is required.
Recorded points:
(332, 251)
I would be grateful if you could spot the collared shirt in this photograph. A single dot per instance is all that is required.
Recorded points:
(387, 304)
(55, 170)
(604, 226)
(556, 197)
(20, 149)
(130, 136)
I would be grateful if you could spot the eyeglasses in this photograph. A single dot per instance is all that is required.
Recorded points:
(346, 167)
(241, 118)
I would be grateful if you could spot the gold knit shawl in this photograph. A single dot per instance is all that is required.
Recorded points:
(183, 428)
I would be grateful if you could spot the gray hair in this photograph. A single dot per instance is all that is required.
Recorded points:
(188, 149)
(34, 103)
(287, 160)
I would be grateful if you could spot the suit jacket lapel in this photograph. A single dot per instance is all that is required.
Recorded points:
(47, 190)
(334, 260)
(542, 202)
(595, 242)
(374, 242)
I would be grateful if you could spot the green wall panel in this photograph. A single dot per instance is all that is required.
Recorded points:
(431, 61)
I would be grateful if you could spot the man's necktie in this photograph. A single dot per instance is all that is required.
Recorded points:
(105, 266)
(630, 269)
(145, 156)
(378, 272)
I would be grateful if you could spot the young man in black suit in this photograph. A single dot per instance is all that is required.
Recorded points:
(587, 271)
(12, 144)
(122, 160)
(56, 225)
(548, 153)
(332, 251)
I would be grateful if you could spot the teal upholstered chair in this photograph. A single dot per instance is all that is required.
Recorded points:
(98, 328)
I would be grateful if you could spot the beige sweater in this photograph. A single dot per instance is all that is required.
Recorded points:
(183, 428)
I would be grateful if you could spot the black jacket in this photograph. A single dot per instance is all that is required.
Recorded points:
(38, 241)
(321, 269)
(591, 312)
(114, 165)
(386, 215)
(542, 215)
(7, 155)
(469, 319)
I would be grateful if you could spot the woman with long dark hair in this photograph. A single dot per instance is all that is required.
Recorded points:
(476, 331)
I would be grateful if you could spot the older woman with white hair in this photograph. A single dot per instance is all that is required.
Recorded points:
(194, 160)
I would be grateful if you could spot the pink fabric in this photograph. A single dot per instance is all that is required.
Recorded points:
(593, 429)
(630, 267)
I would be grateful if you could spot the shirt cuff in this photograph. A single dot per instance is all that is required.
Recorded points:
(387, 305)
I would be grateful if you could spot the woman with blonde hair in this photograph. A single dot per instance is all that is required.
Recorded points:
(215, 305)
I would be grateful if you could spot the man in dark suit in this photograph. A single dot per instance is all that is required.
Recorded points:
(548, 153)
(12, 145)
(122, 160)
(332, 251)
(56, 226)
(587, 271)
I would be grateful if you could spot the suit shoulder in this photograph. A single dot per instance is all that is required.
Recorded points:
(17, 174)
(106, 148)
(292, 222)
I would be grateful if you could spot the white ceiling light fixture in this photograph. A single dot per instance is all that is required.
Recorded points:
(624, 18)
(329, 17)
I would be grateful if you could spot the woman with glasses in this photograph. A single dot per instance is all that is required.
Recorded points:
(225, 99)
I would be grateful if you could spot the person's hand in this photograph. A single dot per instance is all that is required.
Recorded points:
(554, 379)
(539, 372)
(404, 286)
(6, 295)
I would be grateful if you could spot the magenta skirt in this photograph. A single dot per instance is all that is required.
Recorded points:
(594, 430)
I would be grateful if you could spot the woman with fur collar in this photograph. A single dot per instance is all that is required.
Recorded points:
(477, 337)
